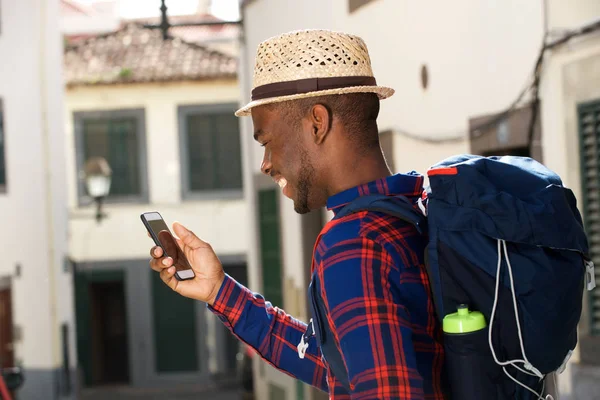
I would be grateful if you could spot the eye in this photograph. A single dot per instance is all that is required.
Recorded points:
(264, 144)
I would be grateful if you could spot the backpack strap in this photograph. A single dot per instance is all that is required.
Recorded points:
(397, 206)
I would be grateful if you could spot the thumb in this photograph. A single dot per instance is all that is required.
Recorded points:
(188, 237)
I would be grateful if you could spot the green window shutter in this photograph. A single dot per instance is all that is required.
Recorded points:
(2, 156)
(589, 133)
(270, 248)
(117, 141)
(213, 152)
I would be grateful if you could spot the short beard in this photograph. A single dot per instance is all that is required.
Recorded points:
(307, 173)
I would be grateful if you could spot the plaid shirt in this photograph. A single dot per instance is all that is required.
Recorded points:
(377, 294)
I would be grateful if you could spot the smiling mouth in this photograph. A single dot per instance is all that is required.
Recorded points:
(282, 182)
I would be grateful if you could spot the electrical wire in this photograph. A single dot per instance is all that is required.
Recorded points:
(533, 85)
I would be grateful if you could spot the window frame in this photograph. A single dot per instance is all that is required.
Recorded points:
(139, 114)
(187, 194)
(3, 186)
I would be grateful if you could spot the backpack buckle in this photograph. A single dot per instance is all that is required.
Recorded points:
(308, 333)
(590, 275)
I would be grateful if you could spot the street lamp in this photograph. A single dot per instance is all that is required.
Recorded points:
(97, 180)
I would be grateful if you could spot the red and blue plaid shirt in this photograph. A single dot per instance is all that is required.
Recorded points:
(377, 294)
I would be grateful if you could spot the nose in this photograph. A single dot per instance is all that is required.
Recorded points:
(266, 167)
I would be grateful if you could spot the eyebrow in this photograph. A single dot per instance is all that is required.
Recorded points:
(258, 133)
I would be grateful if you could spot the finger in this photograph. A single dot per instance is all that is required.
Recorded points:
(188, 237)
(168, 276)
(156, 252)
(160, 264)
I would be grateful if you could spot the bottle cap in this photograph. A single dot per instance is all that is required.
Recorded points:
(463, 321)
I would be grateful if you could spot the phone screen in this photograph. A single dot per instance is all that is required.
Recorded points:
(161, 231)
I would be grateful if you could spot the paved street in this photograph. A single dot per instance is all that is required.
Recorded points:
(179, 393)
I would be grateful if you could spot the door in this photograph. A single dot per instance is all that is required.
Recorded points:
(232, 344)
(6, 327)
(101, 313)
(175, 336)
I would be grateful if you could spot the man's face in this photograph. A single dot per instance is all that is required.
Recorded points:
(287, 157)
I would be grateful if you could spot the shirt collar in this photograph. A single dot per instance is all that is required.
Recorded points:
(410, 184)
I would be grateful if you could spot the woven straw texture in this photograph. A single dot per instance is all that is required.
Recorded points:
(311, 54)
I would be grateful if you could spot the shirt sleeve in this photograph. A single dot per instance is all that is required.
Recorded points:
(271, 332)
(371, 329)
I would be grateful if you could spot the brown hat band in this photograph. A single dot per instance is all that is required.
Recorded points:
(299, 86)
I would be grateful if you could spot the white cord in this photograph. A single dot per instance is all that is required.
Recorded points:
(539, 396)
(525, 362)
(528, 365)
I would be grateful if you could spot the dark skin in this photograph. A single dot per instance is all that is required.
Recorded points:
(317, 158)
(315, 155)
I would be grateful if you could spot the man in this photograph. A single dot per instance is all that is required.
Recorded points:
(314, 107)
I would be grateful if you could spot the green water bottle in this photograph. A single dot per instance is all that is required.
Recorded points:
(468, 357)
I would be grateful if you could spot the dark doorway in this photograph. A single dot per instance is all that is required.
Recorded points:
(6, 327)
(233, 346)
(110, 361)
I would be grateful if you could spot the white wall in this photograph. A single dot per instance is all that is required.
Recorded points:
(479, 57)
(122, 235)
(33, 211)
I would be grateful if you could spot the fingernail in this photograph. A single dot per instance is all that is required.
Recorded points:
(156, 252)
(171, 270)
(165, 261)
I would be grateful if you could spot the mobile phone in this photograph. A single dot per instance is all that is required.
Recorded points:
(160, 233)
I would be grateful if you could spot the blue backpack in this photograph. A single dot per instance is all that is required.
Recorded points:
(504, 237)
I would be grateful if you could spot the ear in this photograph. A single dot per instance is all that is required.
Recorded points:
(320, 119)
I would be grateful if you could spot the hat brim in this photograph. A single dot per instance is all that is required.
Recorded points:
(381, 91)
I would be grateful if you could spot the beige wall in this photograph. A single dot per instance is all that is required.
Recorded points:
(32, 211)
(122, 235)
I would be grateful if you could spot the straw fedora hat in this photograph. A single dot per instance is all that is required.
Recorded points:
(310, 63)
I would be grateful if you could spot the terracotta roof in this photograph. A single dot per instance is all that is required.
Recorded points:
(135, 54)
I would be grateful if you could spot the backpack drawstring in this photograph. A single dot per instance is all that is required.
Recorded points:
(529, 368)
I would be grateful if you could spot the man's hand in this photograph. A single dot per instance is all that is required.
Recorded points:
(205, 263)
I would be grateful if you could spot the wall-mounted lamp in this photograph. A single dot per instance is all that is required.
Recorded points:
(97, 180)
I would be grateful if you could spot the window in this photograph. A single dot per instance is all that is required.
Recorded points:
(210, 151)
(118, 136)
(2, 152)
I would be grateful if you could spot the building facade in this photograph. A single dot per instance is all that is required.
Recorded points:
(160, 111)
(455, 68)
(37, 330)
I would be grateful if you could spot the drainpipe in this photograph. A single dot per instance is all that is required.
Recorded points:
(47, 166)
